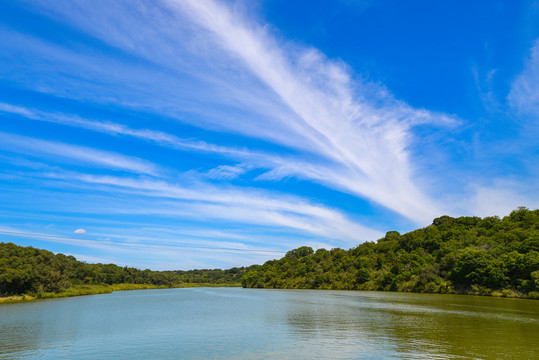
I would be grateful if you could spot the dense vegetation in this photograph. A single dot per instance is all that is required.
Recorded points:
(26, 270)
(470, 255)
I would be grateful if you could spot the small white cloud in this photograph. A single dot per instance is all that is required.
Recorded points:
(80, 231)
(226, 172)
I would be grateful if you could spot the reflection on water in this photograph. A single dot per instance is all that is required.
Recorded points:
(234, 323)
(421, 325)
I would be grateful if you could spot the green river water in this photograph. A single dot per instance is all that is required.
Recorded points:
(235, 323)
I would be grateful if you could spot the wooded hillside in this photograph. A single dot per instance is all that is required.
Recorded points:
(489, 256)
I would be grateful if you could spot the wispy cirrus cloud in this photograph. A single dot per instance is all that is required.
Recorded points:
(153, 252)
(200, 201)
(116, 128)
(355, 135)
(368, 142)
(524, 94)
(501, 197)
(80, 155)
(240, 205)
(226, 172)
(248, 219)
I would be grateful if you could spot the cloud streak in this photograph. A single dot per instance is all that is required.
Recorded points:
(80, 155)
(242, 206)
(524, 94)
(115, 128)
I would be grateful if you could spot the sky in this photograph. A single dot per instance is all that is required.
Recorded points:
(183, 134)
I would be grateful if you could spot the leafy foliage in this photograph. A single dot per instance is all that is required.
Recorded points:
(489, 256)
(26, 270)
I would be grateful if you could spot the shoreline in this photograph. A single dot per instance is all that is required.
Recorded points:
(494, 294)
(84, 290)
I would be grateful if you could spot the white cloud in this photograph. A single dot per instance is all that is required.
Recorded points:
(524, 94)
(360, 140)
(226, 172)
(79, 154)
(113, 128)
(206, 203)
(251, 158)
(79, 231)
(501, 197)
(17, 110)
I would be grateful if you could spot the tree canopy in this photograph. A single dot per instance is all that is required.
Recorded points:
(489, 256)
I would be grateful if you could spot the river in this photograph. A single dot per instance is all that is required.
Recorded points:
(236, 323)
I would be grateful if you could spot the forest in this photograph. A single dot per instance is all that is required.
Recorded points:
(465, 255)
(27, 270)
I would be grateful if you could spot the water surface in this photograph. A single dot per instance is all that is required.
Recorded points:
(235, 323)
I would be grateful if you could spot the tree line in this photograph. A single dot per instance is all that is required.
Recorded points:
(27, 270)
(470, 255)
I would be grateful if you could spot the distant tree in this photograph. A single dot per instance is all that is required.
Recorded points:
(299, 253)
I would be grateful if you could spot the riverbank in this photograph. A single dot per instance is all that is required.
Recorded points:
(474, 291)
(83, 290)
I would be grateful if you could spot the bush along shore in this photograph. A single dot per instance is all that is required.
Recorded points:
(27, 273)
(80, 290)
(465, 255)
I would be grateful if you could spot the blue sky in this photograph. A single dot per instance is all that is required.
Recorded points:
(182, 134)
